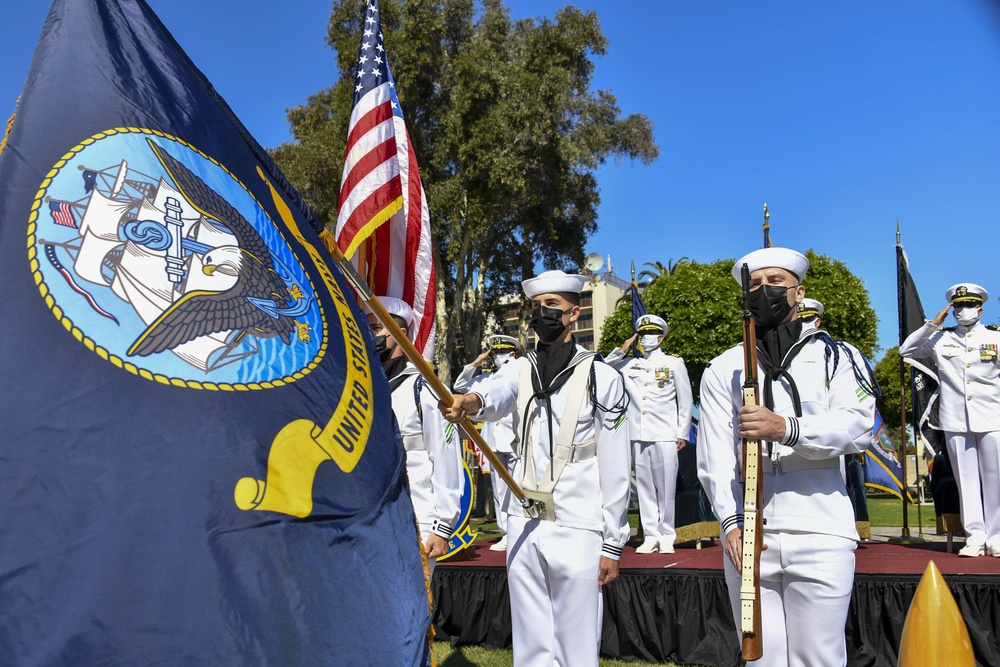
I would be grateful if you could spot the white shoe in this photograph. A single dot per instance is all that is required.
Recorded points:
(499, 545)
(665, 546)
(971, 550)
(993, 551)
(649, 546)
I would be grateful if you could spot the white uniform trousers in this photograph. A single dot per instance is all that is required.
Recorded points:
(975, 460)
(501, 492)
(656, 486)
(805, 591)
(555, 600)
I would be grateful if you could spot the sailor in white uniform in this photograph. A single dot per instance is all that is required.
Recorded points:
(433, 449)
(501, 435)
(810, 313)
(816, 406)
(968, 370)
(574, 452)
(659, 422)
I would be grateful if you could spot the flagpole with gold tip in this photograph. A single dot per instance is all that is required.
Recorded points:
(934, 632)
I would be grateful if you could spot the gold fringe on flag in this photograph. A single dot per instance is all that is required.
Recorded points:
(430, 594)
(697, 531)
(10, 124)
(328, 241)
(369, 227)
(864, 529)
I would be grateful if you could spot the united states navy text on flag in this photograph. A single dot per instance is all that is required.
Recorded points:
(383, 223)
(199, 460)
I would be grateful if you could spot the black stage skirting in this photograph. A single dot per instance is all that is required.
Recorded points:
(683, 615)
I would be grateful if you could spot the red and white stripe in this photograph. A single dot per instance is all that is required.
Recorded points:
(371, 188)
(384, 224)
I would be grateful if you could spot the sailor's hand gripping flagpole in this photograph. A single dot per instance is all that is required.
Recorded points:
(531, 506)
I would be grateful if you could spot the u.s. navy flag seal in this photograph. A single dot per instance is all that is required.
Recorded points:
(172, 251)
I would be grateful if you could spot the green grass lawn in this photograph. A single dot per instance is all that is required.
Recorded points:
(888, 511)
(475, 656)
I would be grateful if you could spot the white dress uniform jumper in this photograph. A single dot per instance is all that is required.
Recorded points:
(807, 571)
(575, 446)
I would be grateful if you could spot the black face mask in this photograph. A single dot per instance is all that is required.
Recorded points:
(381, 350)
(547, 323)
(769, 305)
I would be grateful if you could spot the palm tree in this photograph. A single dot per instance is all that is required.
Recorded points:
(646, 276)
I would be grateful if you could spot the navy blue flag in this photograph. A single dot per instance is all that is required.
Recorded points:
(883, 470)
(199, 464)
(638, 310)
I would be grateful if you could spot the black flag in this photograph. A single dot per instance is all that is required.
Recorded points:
(924, 384)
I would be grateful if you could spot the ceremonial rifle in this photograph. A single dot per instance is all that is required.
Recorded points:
(753, 534)
(533, 508)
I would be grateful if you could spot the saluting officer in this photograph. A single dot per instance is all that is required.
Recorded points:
(810, 311)
(812, 413)
(659, 423)
(968, 372)
(574, 451)
(433, 452)
(501, 434)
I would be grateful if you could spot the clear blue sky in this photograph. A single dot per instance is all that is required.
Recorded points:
(842, 116)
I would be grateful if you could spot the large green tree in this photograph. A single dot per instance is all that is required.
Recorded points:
(508, 134)
(701, 303)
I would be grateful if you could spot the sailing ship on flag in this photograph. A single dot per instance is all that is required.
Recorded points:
(201, 279)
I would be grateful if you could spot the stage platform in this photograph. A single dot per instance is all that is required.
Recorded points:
(674, 607)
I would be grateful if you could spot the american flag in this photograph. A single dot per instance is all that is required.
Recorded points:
(62, 214)
(383, 224)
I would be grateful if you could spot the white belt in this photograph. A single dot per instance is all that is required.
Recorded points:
(795, 464)
(577, 452)
(413, 443)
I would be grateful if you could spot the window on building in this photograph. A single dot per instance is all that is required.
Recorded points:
(586, 299)
(586, 341)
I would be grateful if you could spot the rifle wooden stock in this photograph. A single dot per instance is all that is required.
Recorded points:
(752, 646)
(424, 368)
